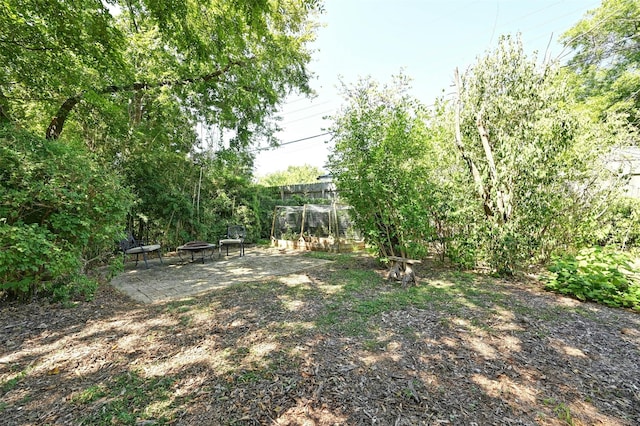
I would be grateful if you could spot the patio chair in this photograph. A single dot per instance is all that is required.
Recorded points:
(131, 246)
(235, 235)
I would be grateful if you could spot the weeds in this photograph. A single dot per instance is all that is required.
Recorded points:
(129, 399)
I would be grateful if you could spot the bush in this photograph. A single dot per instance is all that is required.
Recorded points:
(620, 226)
(596, 274)
(57, 204)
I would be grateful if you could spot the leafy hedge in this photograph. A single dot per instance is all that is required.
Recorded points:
(597, 274)
(56, 204)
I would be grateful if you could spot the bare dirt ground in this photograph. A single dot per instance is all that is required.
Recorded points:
(315, 349)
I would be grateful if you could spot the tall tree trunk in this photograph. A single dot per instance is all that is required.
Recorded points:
(135, 108)
(502, 199)
(475, 173)
(4, 109)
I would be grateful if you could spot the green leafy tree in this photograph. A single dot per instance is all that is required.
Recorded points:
(293, 175)
(387, 164)
(605, 58)
(535, 161)
(227, 64)
(134, 81)
(52, 50)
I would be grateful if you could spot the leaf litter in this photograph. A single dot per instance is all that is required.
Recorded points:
(302, 351)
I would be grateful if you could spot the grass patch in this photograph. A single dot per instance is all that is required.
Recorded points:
(330, 316)
(9, 385)
(249, 376)
(130, 399)
(301, 291)
(373, 345)
(91, 394)
(364, 295)
(180, 306)
(340, 258)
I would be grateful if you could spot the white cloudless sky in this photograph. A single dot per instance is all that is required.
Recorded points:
(427, 39)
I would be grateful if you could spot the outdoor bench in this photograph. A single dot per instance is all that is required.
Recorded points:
(402, 270)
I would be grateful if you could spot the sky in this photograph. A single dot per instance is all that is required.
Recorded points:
(425, 39)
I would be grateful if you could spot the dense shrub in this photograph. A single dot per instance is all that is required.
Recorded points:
(596, 274)
(389, 166)
(57, 205)
(620, 225)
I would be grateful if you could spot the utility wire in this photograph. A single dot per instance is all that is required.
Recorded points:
(325, 112)
(560, 56)
(304, 139)
(292, 142)
(310, 107)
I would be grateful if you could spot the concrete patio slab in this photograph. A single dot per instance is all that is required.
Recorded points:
(181, 278)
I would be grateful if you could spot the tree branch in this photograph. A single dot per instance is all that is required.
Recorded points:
(4, 114)
(502, 202)
(57, 123)
(475, 173)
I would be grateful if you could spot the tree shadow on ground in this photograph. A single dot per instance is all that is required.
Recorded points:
(336, 345)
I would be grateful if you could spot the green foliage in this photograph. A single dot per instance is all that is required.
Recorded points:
(620, 225)
(31, 256)
(51, 50)
(506, 174)
(76, 286)
(225, 64)
(606, 58)
(126, 393)
(385, 163)
(534, 160)
(596, 274)
(58, 205)
(292, 176)
(10, 384)
(133, 88)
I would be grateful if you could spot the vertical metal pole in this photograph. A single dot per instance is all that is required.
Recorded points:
(335, 212)
(304, 214)
(273, 223)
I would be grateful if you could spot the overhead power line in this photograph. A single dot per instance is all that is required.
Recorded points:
(317, 114)
(293, 141)
(310, 106)
(304, 139)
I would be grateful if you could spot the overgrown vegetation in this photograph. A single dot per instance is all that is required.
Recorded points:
(293, 175)
(386, 164)
(505, 174)
(597, 274)
(172, 99)
(511, 171)
(59, 210)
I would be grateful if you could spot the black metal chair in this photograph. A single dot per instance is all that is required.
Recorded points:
(235, 235)
(131, 246)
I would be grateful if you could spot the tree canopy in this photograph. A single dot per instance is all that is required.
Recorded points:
(168, 96)
(292, 175)
(387, 162)
(535, 160)
(505, 173)
(224, 64)
(605, 57)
